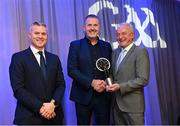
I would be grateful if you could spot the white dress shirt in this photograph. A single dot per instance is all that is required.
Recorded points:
(36, 54)
(122, 55)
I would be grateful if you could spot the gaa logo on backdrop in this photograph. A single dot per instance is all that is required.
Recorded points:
(132, 17)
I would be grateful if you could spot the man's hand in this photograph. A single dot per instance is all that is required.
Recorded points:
(113, 88)
(47, 110)
(98, 85)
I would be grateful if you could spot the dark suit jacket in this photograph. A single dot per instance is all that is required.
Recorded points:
(80, 69)
(132, 75)
(29, 86)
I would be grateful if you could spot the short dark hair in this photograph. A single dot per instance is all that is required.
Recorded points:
(38, 24)
(91, 16)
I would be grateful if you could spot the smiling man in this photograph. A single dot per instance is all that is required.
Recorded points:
(88, 87)
(37, 81)
(130, 73)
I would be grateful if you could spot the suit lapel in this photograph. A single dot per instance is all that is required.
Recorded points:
(84, 50)
(128, 54)
(48, 64)
(115, 58)
(38, 68)
(34, 61)
(123, 62)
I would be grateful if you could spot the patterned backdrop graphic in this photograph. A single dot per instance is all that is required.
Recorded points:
(157, 28)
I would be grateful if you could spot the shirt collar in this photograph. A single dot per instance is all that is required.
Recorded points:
(90, 42)
(34, 50)
(128, 47)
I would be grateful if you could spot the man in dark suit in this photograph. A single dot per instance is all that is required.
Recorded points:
(130, 73)
(37, 81)
(88, 87)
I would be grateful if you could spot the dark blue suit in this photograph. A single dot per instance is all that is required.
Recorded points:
(80, 69)
(31, 90)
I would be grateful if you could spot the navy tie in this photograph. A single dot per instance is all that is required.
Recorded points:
(42, 64)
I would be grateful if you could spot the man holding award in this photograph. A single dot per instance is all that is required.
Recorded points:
(88, 87)
(130, 74)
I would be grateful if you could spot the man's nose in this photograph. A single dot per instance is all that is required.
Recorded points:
(40, 35)
(92, 28)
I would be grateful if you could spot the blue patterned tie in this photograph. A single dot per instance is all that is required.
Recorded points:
(42, 64)
(120, 58)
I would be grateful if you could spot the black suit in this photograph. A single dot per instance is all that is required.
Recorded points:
(81, 70)
(32, 90)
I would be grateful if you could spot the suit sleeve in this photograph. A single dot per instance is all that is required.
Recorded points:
(17, 78)
(60, 84)
(142, 68)
(73, 67)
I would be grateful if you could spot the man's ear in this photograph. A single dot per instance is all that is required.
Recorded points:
(132, 35)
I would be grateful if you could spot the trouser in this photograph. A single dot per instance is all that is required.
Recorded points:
(99, 107)
(126, 118)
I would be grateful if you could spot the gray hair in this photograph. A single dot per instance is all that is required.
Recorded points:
(37, 24)
(126, 24)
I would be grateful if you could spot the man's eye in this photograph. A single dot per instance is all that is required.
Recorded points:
(43, 33)
(124, 33)
(36, 33)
